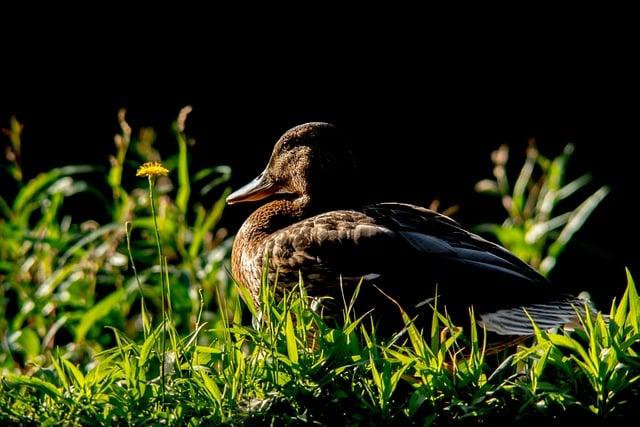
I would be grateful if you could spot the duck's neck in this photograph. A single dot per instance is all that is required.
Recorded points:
(274, 216)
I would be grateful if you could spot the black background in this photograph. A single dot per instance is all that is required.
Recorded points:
(423, 115)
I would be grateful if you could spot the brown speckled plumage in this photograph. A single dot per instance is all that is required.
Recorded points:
(307, 227)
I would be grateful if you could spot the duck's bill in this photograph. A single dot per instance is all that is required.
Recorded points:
(258, 189)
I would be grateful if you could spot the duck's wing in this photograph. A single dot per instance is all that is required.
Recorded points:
(408, 251)
(506, 291)
(440, 237)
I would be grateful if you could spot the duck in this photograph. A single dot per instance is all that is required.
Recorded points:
(309, 225)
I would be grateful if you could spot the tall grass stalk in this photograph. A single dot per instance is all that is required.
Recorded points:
(151, 170)
(161, 265)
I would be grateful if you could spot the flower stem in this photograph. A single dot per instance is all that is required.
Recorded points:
(162, 284)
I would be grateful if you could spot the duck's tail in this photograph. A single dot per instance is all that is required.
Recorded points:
(564, 314)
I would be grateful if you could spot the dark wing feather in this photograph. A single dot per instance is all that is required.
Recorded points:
(517, 320)
(426, 229)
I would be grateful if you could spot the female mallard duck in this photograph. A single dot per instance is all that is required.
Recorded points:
(306, 226)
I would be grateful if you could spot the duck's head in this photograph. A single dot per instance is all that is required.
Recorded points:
(310, 160)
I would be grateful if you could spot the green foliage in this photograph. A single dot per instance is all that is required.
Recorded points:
(63, 278)
(292, 367)
(531, 228)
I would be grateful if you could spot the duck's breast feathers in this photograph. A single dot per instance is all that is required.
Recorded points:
(346, 242)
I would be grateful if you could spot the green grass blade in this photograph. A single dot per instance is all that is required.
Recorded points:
(620, 312)
(62, 376)
(542, 229)
(211, 220)
(633, 319)
(90, 237)
(573, 345)
(57, 277)
(578, 218)
(245, 295)
(75, 372)
(416, 339)
(292, 348)
(43, 180)
(352, 325)
(225, 175)
(97, 312)
(211, 387)
(573, 186)
(147, 346)
(29, 343)
(523, 180)
(184, 185)
(5, 209)
(377, 379)
(43, 386)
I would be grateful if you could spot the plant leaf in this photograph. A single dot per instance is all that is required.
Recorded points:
(97, 312)
(292, 348)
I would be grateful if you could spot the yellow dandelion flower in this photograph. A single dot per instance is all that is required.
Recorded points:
(152, 169)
